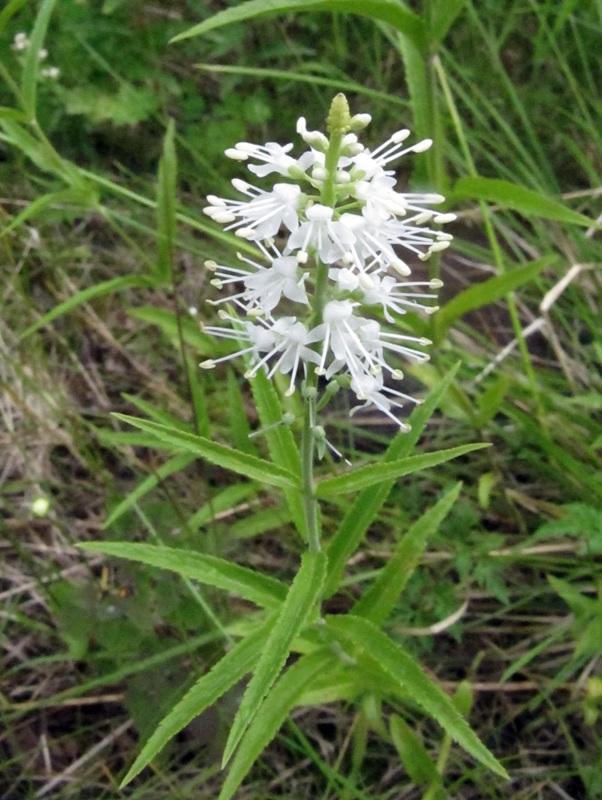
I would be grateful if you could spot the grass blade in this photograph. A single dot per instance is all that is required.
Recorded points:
(98, 290)
(281, 443)
(487, 292)
(32, 58)
(9, 10)
(166, 206)
(443, 15)
(174, 464)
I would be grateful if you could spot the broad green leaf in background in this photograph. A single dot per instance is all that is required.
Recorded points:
(393, 12)
(367, 504)
(384, 656)
(413, 754)
(379, 600)
(218, 572)
(206, 691)
(489, 291)
(281, 443)
(443, 14)
(166, 206)
(129, 105)
(219, 454)
(360, 478)
(271, 715)
(239, 428)
(518, 198)
(298, 607)
(9, 10)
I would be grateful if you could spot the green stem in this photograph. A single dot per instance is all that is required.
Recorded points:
(310, 501)
(338, 125)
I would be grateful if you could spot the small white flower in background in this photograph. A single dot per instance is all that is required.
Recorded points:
(50, 72)
(20, 42)
(313, 304)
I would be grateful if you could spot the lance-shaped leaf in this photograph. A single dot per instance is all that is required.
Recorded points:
(266, 723)
(281, 442)
(381, 656)
(488, 291)
(379, 600)
(367, 504)
(518, 198)
(206, 691)
(219, 454)
(360, 478)
(394, 12)
(209, 570)
(298, 607)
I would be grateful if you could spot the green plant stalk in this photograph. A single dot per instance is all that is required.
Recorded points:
(338, 126)
(310, 501)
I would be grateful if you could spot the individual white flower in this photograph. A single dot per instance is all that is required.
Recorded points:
(267, 285)
(376, 340)
(371, 390)
(50, 72)
(263, 287)
(393, 295)
(330, 239)
(411, 234)
(315, 139)
(370, 163)
(273, 155)
(371, 247)
(340, 340)
(263, 215)
(20, 42)
(285, 340)
(380, 197)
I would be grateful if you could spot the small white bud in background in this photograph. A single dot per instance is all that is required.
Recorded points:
(40, 506)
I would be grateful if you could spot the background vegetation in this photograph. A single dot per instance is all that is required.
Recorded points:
(508, 596)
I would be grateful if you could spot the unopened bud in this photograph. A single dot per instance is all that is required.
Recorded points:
(338, 119)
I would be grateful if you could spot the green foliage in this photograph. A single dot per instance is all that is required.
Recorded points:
(509, 94)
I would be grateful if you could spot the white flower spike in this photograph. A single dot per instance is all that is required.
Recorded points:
(338, 240)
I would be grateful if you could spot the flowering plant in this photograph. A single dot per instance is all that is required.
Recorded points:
(337, 263)
(319, 304)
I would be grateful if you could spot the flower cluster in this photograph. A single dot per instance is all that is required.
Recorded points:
(21, 43)
(333, 238)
